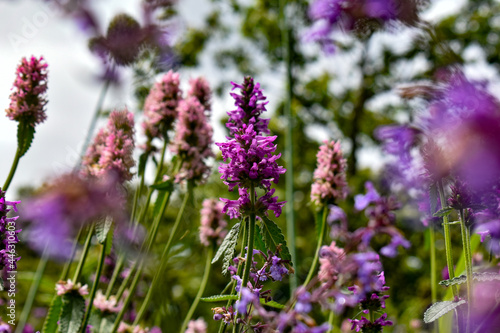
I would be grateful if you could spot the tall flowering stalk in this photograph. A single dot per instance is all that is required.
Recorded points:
(250, 163)
(329, 186)
(27, 105)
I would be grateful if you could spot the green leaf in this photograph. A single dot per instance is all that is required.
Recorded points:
(483, 276)
(219, 298)
(73, 310)
(272, 304)
(142, 164)
(25, 135)
(50, 325)
(273, 237)
(109, 243)
(223, 298)
(167, 185)
(227, 247)
(443, 212)
(258, 242)
(102, 228)
(159, 202)
(439, 309)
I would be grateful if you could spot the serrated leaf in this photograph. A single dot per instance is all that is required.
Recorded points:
(167, 185)
(219, 298)
(142, 164)
(102, 228)
(258, 242)
(443, 212)
(273, 237)
(433, 197)
(439, 309)
(73, 310)
(107, 323)
(272, 304)
(50, 324)
(481, 277)
(227, 247)
(25, 135)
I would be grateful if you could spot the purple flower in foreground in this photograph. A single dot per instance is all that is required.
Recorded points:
(362, 201)
(4, 327)
(365, 325)
(249, 106)
(247, 297)
(160, 107)
(28, 100)
(65, 205)
(303, 304)
(192, 142)
(112, 148)
(330, 183)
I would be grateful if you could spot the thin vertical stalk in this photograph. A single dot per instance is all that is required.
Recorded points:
(203, 285)
(321, 237)
(331, 319)
(32, 292)
(250, 241)
(432, 240)
(163, 259)
(93, 122)
(468, 267)
(12, 171)
(447, 239)
(83, 257)
(290, 214)
(98, 273)
(67, 265)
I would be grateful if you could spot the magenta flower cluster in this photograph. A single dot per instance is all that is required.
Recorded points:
(8, 234)
(330, 183)
(28, 100)
(112, 148)
(249, 155)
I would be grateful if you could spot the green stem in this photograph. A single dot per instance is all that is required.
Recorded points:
(116, 272)
(13, 169)
(432, 240)
(163, 259)
(372, 316)
(93, 122)
(250, 241)
(331, 319)
(468, 266)
(67, 265)
(200, 291)
(290, 214)
(447, 239)
(322, 233)
(32, 292)
(85, 251)
(98, 273)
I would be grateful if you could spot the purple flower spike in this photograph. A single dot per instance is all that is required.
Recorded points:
(249, 106)
(27, 102)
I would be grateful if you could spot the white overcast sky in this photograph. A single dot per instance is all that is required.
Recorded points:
(73, 92)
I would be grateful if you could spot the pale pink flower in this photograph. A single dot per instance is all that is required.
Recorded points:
(112, 147)
(192, 142)
(28, 100)
(200, 89)
(197, 326)
(65, 287)
(330, 182)
(160, 107)
(213, 226)
(106, 305)
(331, 258)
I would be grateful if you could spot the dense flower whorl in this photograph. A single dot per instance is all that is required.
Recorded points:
(62, 207)
(8, 234)
(112, 148)
(213, 226)
(160, 107)
(105, 305)
(192, 142)
(28, 100)
(249, 106)
(251, 160)
(330, 183)
(200, 89)
(66, 287)
(197, 326)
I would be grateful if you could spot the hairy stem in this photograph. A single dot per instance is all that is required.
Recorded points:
(468, 267)
(83, 257)
(12, 171)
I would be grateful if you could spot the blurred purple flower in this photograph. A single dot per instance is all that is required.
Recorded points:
(362, 201)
